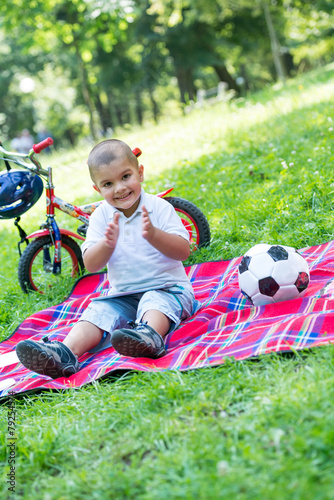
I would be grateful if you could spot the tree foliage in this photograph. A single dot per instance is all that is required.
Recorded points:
(99, 64)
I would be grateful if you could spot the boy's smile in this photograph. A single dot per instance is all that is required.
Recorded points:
(119, 183)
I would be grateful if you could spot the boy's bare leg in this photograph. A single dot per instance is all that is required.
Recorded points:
(83, 337)
(157, 320)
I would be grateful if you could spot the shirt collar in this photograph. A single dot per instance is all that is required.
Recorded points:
(146, 201)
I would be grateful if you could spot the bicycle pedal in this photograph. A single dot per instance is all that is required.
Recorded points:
(82, 230)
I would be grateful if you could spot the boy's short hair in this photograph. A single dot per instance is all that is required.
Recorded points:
(108, 151)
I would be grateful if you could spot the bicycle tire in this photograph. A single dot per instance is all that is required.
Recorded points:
(194, 221)
(35, 273)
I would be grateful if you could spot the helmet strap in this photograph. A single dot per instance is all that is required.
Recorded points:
(22, 233)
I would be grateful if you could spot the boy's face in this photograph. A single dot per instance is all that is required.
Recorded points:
(119, 183)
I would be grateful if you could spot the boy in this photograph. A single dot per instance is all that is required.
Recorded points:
(142, 241)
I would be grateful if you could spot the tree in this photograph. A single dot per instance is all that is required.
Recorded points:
(111, 58)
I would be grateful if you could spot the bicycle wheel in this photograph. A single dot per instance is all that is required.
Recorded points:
(193, 220)
(36, 264)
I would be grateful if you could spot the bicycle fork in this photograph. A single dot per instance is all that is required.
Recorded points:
(53, 230)
(55, 233)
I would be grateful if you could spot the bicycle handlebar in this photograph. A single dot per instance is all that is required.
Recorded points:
(42, 145)
(20, 158)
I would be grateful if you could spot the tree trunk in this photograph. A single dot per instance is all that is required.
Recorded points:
(85, 93)
(186, 85)
(119, 114)
(224, 76)
(126, 112)
(155, 106)
(138, 107)
(275, 46)
(245, 77)
(287, 61)
(104, 114)
(114, 109)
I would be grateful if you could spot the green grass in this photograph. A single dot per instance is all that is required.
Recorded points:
(260, 168)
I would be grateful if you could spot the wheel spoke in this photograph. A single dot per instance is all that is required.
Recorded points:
(37, 263)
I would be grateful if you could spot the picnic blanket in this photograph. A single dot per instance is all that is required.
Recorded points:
(226, 325)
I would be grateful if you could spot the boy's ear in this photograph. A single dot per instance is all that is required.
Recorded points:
(96, 188)
(141, 172)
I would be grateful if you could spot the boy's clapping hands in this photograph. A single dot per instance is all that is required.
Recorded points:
(112, 231)
(171, 245)
(148, 227)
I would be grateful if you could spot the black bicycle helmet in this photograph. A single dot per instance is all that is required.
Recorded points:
(19, 191)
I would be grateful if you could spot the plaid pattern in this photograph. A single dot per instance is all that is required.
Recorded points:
(225, 326)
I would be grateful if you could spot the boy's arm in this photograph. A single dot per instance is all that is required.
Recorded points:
(172, 245)
(97, 256)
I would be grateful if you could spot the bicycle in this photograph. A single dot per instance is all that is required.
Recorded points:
(51, 250)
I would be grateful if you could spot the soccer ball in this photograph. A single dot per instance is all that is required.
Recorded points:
(272, 273)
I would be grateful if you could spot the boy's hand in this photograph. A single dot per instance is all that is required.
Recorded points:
(171, 245)
(148, 228)
(112, 231)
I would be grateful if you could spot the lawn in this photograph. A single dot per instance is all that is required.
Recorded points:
(260, 168)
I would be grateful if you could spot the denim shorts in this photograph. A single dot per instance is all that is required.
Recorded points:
(111, 313)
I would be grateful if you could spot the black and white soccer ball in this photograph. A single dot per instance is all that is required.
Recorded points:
(272, 273)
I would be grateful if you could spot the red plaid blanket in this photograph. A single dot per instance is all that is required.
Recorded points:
(226, 325)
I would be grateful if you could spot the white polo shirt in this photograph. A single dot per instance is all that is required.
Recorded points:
(135, 265)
